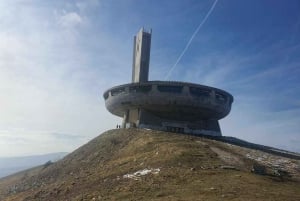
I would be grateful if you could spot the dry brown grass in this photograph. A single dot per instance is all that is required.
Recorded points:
(190, 169)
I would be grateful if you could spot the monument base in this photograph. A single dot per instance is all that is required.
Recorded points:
(148, 120)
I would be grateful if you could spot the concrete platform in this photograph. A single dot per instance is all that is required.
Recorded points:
(163, 104)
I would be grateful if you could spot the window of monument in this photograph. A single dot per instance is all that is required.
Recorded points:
(220, 98)
(140, 89)
(117, 91)
(106, 95)
(169, 89)
(199, 92)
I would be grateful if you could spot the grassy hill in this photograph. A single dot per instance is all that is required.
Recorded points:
(139, 164)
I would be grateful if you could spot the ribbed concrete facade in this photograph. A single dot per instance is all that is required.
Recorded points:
(178, 106)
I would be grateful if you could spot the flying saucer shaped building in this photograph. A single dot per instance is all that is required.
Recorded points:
(166, 105)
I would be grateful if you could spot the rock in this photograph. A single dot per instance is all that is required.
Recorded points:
(281, 173)
(259, 169)
(48, 164)
(227, 167)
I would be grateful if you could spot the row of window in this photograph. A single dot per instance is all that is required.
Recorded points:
(117, 91)
(169, 89)
(175, 129)
(198, 92)
(140, 89)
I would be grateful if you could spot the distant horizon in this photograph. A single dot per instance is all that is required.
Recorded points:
(11, 165)
(58, 57)
(59, 152)
(41, 154)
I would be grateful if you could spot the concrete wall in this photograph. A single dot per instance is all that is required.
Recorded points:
(176, 105)
(205, 127)
(170, 106)
(141, 56)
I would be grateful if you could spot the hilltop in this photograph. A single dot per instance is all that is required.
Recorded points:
(139, 164)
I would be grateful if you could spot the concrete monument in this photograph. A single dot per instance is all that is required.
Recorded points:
(166, 105)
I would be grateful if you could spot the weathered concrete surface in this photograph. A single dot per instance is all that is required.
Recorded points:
(141, 56)
(166, 105)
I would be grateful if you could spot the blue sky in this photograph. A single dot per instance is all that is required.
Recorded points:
(57, 58)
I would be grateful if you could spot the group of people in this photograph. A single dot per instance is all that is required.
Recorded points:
(118, 126)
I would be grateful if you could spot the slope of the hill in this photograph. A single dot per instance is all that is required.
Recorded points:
(137, 164)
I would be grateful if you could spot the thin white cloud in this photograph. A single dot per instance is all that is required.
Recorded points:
(70, 19)
(49, 83)
(22, 142)
(275, 129)
(85, 6)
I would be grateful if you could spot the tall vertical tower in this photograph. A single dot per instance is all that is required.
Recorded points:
(141, 56)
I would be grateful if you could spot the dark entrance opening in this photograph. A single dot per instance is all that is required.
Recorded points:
(175, 129)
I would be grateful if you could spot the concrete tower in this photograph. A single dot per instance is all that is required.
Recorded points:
(141, 56)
